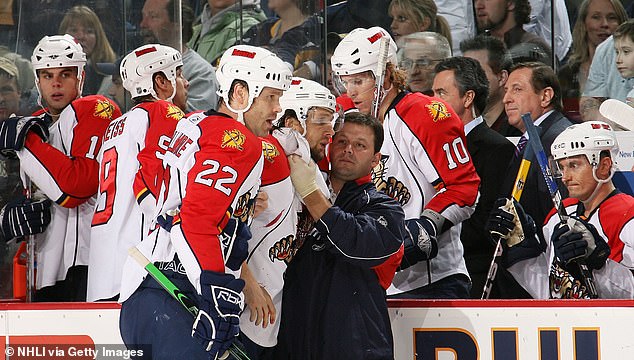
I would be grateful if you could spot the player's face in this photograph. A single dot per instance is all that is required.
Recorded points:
(87, 37)
(319, 131)
(352, 152)
(520, 97)
(601, 21)
(360, 88)
(58, 87)
(9, 97)
(402, 24)
(182, 86)
(263, 112)
(491, 13)
(496, 81)
(625, 56)
(446, 89)
(155, 25)
(576, 174)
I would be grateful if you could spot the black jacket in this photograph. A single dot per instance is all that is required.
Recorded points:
(334, 303)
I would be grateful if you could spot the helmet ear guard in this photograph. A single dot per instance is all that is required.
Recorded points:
(139, 66)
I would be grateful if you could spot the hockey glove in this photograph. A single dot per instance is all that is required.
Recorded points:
(509, 221)
(303, 175)
(578, 239)
(14, 129)
(421, 244)
(22, 217)
(217, 323)
(234, 242)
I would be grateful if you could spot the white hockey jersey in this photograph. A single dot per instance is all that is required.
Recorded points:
(215, 165)
(131, 161)
(425, 164)
(66, 171)
(614, 221)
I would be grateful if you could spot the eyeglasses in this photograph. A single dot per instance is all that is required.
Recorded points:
(407, 64)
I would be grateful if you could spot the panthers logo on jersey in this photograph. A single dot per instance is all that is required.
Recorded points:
(283, 250)
(438, 110)
(269, 151)
(564, 286)
(174, 112)
(245, 207)
(392, 187)
(233, 139)
(104, 109)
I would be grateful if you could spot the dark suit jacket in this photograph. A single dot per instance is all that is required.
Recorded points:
(491, 154)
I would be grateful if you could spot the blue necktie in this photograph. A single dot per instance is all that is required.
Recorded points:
(520, 146)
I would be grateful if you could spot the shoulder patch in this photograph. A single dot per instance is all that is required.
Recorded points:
(438, 110)
(269, 151)
(174, 112)
(233, 139)
(104, 109)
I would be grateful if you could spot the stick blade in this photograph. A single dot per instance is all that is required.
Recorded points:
(618, 112)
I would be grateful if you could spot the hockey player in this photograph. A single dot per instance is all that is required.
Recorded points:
(599, 231)
(274, 241)
(424, 165)
(64, 169)
(216, 162)
(131, 163)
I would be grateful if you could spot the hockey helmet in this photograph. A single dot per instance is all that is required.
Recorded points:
(58, 51)
(256, 66)
(589, 138)
(359, 52)
(138, 67)
(304, 95)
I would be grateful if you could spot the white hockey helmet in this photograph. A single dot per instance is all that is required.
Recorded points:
(256, 66)
(359, 52)
(304, 95)
(139, 66)
(589, 138)
(58, 51)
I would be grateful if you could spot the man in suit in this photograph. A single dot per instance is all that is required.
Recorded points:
(462, 82)
(531, 88)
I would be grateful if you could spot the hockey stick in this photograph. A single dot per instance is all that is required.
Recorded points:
(384, 48)
(618, 112)
(555, 195)
(520, 181)
(236, 350)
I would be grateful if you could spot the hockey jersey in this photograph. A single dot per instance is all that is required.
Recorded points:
(66, 171)
(614, 221)
(425, 164)
(215, 167)
(131, 164)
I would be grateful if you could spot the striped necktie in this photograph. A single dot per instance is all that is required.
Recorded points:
(520, 146)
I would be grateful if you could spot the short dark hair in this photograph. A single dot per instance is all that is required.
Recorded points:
(369, 121)
(626, 29)
(543, 76)
(468, 75)
(498, 56)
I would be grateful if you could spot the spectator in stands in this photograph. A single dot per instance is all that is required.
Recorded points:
(504, 20)
(540, 25)
(160, 25)
(9, 89)
(597, 21)
(292, 35)
(418, 53)
(492, 55)
(624, 45)
(84, 25)
(463, 84)
(221, 25)
(410, 16)
(345, 16)
(26, 80)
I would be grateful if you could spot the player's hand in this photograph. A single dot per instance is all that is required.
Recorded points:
(13, 131)
(260, 304)
(578, 239)
(508, 221)
(261, 203)
(421, 244)
(217, 323)
(234, 243)
(303, 175)
(22, 217)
